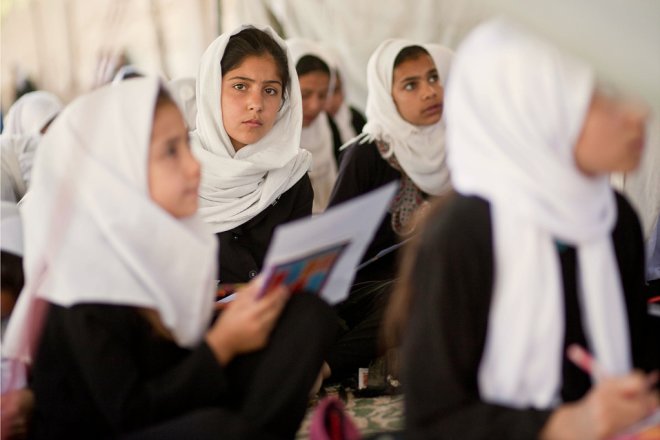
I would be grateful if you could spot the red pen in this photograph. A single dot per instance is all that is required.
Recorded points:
(585, 361)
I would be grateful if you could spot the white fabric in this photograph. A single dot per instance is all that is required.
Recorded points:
(236, 186)
(643, 185)
(343, 117)
(183, 91)
(20, 150)
(98, 233)
(31, 112)
(317, 136)
(511, 135)
(11, 233)
(13, 184)
(419, 150)
(442, 56)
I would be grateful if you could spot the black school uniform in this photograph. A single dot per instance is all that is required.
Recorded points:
(242, 250)
(101, 372)
(446, 332)
(362, 170)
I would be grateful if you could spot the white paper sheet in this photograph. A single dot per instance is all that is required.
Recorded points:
(354, 221)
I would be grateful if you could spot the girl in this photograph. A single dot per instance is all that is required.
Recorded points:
(533, 254)
(402, 140)
(319, 133)
(130, 285)
(254, 174)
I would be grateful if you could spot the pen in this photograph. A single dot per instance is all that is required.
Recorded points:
(585, 361)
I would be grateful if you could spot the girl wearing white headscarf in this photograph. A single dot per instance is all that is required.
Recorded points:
(247, 137)
(534, 254)
(27, 119)
(127, 269)
(402, 140)
(348, 119)
(319, 133)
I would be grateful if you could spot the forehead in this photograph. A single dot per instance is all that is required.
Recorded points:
(257, 67)
(414, 67)
(315, 80)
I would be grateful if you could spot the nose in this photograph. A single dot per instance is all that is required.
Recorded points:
(430, 90)
(191, 165)
(255, 101)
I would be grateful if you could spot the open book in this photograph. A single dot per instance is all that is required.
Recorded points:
(320, 255)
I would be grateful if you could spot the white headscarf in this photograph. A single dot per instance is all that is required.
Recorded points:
(343, 118)
(103, 239)
(442, 57)
(11, 233)
(30, 113)
(419, 150)
(183, 91)
(511, 136)
(236, 186)
(317, 136)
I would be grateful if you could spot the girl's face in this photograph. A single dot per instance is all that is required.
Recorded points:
(612, 137)
(417, 92)
(251, 97)
(174, 173)
(314, 90)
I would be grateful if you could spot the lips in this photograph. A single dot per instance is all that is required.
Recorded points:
(432, 109)
(253, 123)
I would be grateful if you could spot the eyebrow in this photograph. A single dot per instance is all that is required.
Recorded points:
(418, 77)
(244, 78)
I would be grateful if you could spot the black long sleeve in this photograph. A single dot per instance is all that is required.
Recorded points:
(243, 249)
(115, 373)
(447, 328)
(361, 170)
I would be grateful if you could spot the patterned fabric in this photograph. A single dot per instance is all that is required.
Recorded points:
(407, 201)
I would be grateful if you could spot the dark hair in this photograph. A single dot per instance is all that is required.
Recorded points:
(410, 53)
(12, 273)
(254, 42)
(311, 63)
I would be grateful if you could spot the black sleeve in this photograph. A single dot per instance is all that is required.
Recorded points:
(362, 169)
(302, 206)
(446, 334)
(107, 344)
(629, 247)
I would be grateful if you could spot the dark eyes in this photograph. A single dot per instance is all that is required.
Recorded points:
(271, 91)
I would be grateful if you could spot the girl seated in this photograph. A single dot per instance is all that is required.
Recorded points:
(128, 274)
(535, 253)
(254, 174)
(320, 135)
(402, 140)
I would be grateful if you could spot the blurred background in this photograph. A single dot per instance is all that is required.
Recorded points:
(71, 46)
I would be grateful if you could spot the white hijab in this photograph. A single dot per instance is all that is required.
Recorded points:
(11, 232)
(343, 118)
(236, 186)
(183, 91)
(317, 137)
(30, 113)
(98, 233)
(419, 150)
(511, 136)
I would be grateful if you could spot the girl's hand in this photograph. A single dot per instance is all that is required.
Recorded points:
(610, 406)
(246, 323)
